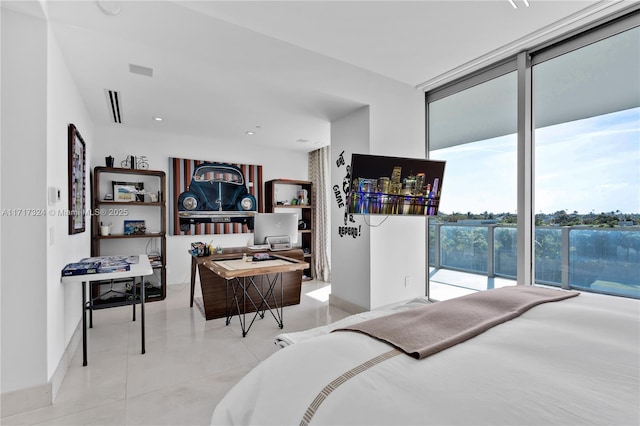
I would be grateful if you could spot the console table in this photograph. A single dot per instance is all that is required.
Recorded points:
(214, 295)
(140, 269)
(247, 277)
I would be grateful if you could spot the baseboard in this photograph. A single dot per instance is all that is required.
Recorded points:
(39, 396)
(345, 305)
(65, 361)
(26, 399)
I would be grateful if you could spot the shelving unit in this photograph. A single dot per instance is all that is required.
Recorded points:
(153, 211)
(281, 191)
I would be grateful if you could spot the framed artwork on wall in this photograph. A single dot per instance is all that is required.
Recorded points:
(180, 176)
(77, 181)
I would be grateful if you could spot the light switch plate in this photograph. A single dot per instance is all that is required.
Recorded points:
(55, 195)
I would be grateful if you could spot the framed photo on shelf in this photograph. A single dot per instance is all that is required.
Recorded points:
(77, 180)
(134, 227)
(128, 191)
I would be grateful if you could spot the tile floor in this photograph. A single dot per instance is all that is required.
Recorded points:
(188, 367)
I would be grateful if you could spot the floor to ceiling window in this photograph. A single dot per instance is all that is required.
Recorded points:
(585, 160)
(587, 165)
(474, 131)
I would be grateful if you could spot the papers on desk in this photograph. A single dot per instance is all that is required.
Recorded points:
(238, 264)
(100, 265)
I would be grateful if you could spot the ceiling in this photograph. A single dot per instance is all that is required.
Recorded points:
(283, 69)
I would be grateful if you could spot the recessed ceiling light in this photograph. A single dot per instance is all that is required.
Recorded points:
(250, 133)
(157, 118)
(515, 6)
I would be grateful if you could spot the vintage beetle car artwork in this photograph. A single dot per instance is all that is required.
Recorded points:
(217, 193)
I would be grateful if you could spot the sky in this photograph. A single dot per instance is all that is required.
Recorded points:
(590, 165)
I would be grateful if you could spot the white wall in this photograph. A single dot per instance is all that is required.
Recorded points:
(398, 247)
(39, 314)
(64, 106)
(350, 240)
(24, 310)
(369, 271)
(118, 141)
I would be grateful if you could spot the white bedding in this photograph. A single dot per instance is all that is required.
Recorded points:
(572, 362)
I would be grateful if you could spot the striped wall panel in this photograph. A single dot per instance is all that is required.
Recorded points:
(180, 171)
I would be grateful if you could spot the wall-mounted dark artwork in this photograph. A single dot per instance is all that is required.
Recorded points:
(394, 185)
(77, 181)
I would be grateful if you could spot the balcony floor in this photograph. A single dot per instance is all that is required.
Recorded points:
(447, 284)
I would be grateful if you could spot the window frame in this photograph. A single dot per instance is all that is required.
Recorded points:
(523, 63)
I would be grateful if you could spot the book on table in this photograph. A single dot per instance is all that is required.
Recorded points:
(100, 264)
(80, 268)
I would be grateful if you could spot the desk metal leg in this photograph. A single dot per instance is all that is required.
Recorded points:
(236, 285)
(265, 299)
(90, 304)
(241, 284)
(84, 323)
(270, 295)
(142, 291)
(133, 301)
(193, 278)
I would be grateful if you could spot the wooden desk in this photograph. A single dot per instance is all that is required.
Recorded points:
(214, 295)
(140, 269)
(252, 286)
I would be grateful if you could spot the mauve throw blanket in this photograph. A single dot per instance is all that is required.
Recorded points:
(426, 330)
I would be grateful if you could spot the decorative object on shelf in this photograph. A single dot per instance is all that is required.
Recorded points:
(109, 161)
(128, 191)
(77, 180)
(134, 227)
(142, 162)
(105, 229)
(303, 197)
(199, 249)
(132, 162)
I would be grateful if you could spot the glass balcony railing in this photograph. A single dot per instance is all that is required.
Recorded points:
(602, 260)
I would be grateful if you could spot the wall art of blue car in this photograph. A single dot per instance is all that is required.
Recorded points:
(217, 193)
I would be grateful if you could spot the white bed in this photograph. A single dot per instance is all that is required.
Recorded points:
(573, 362)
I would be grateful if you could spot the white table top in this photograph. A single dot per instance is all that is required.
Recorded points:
(143, 267)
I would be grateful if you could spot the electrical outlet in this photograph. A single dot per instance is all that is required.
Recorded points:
(407, 281)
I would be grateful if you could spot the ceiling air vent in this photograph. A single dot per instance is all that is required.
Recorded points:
(113, 103)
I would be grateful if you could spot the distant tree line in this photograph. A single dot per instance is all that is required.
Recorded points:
(559, 218)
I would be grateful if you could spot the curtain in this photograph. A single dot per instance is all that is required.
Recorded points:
(319, 174)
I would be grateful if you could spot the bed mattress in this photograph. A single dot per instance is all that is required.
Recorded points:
(574, 362)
